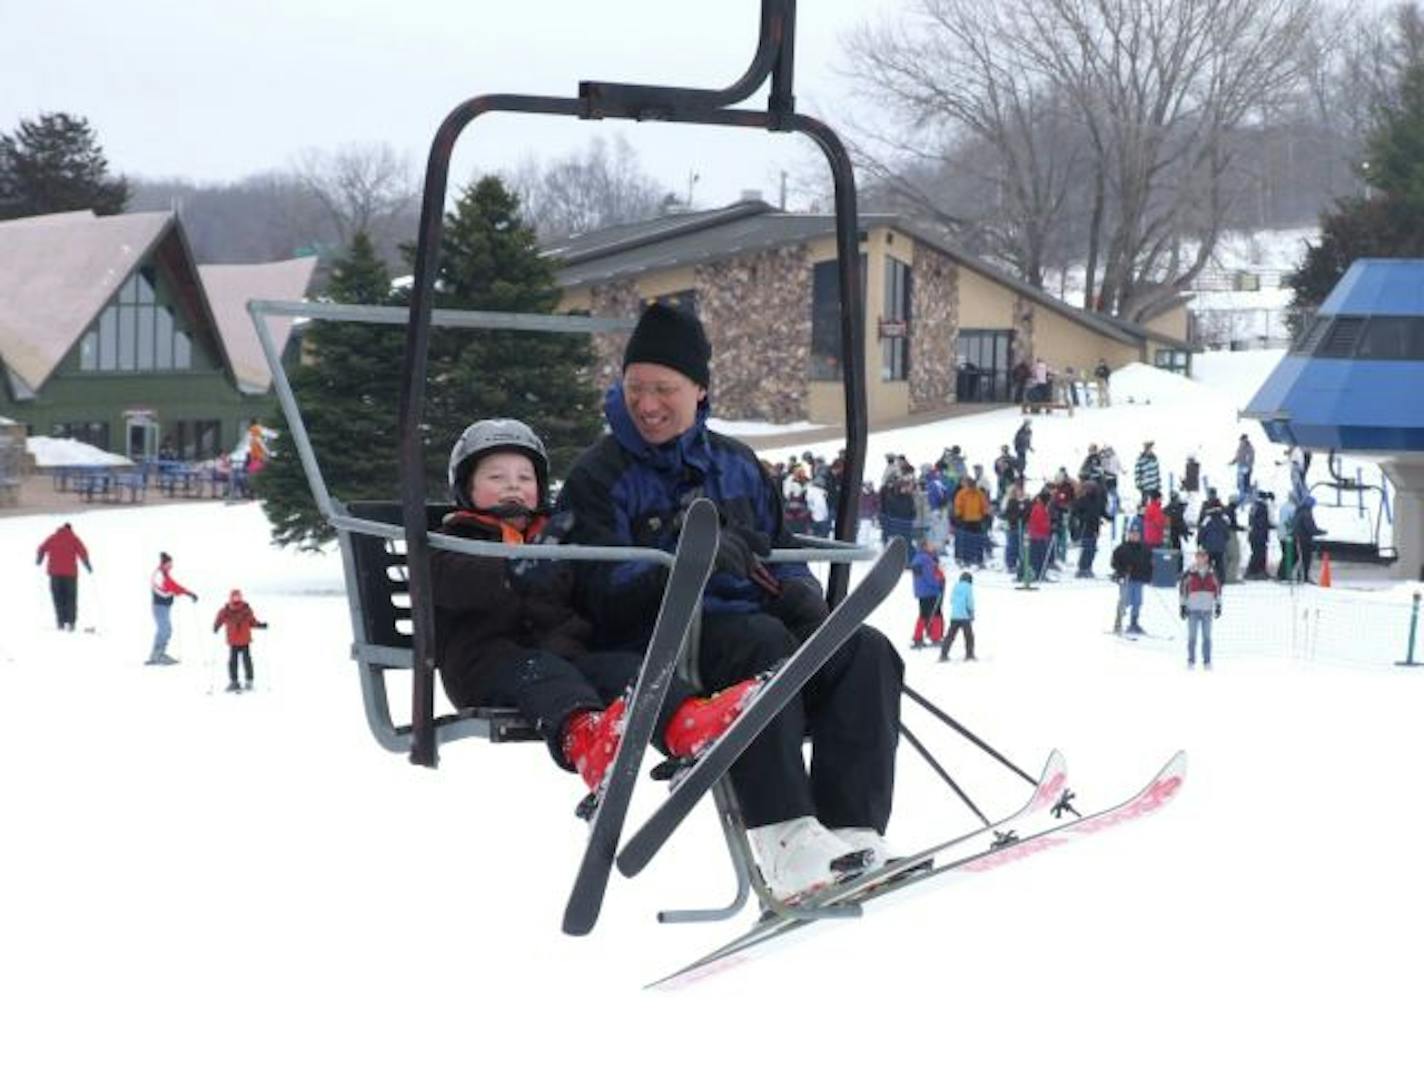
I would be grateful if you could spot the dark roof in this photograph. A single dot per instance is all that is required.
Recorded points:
(596, 244)
(753, 226)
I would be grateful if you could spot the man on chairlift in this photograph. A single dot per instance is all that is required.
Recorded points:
(630, 489)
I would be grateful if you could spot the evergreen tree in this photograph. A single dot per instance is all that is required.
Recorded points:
(347, 391)
(1388, 221)
(54, 163)
(490, 261)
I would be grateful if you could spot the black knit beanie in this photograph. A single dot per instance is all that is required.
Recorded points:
(669, 336)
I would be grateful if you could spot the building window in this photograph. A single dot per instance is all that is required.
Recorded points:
(895, 322)
(1392, 338)
(982, 364)
(96, 434)
(826, 349)
(136, 332)
(193, 439)
(1178, 361)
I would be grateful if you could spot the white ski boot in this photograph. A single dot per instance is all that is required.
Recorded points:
(799, 857)
(865, 840)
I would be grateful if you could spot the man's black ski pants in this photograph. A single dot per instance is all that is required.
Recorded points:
(850, 710)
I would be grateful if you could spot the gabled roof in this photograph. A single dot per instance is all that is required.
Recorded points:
(229, 287)
(56, 273)
(754, 226)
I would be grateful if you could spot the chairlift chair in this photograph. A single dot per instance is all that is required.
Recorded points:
(1344, 550)
(385, 545)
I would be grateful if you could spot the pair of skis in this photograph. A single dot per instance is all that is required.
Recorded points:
(984, 849)
(682, 598)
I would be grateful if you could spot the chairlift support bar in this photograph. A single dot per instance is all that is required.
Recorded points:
(774, 59)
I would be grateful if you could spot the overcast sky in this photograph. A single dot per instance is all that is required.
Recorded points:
(216, 90)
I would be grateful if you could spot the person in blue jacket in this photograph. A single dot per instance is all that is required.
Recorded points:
(961, 617)
(808, 827)
(929, 592)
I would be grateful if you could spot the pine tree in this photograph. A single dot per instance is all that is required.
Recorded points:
(1389, 220)
(347, 390)
(490, 261)
(54, 163)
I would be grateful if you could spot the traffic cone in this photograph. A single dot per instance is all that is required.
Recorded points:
(1324, 569)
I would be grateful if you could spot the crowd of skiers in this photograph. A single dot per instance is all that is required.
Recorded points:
(953, 505)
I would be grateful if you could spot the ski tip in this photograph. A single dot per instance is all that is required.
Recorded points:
(577, 923)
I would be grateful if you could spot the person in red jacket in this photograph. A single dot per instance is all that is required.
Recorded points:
(1040, 532)
(165, 587)
(239, 619)
(1154, 521)
(66, 552)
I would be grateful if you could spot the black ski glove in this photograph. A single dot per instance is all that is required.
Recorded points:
(1216, 613)
(544, 577)
(801, 607)
(739, 553)
(1183, 610)
(194, 596)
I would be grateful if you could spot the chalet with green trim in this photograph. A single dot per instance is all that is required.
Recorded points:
(112, 335)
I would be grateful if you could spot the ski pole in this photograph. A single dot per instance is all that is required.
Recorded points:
(932, 762)
(965, 732)
(1409, 660)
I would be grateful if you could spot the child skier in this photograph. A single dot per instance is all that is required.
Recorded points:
(239, 619)
(506, 632)
(929, 591)
(1200, 593)
(961, 617)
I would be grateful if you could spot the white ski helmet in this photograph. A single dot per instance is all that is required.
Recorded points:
(495, 435)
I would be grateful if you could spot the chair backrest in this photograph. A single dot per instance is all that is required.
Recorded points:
(382, 582)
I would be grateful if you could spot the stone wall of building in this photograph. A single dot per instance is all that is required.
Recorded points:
(934, 321)
(757, 311)
(616, 300)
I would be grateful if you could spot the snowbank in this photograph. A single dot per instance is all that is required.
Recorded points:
(63, 452)
(747, 429)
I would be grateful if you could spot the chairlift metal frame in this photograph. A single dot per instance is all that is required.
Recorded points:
(1373, 551)
(385, 545)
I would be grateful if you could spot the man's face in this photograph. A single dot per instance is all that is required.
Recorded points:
(662, 402)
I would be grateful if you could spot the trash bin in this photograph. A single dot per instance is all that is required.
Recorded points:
(1166, 567)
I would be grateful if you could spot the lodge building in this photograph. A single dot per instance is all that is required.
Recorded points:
(111, 334)
(943, 328)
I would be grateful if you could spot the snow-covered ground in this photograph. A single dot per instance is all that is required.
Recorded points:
(196, 878)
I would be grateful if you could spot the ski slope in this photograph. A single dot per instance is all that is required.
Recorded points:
(197, 878)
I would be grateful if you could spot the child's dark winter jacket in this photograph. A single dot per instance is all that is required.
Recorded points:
(483, 622)
(1133, 560)
(240, 621)
(1214, 529)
